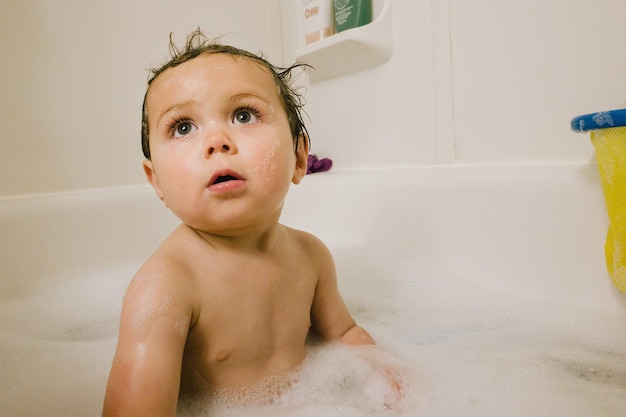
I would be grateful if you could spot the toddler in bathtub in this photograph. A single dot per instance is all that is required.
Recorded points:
(231, 295)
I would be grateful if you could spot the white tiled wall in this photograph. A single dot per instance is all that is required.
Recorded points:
(477, 81)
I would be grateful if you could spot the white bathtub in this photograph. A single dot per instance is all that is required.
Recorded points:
(489, 280)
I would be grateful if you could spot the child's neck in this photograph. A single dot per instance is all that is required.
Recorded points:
(260, 241)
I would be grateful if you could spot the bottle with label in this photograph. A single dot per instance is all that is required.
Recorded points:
(351, 14)
(318, 19)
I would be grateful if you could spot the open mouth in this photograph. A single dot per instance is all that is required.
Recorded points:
(223, 177)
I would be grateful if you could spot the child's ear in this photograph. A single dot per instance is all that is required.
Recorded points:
(302, 157)
(152, 178)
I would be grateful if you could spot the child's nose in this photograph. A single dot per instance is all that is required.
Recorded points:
(218, 141)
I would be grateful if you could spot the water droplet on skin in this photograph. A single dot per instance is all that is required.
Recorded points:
(145, 317)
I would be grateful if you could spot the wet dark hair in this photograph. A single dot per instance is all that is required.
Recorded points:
(198, 44)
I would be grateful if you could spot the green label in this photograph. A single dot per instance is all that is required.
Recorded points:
(352, 13)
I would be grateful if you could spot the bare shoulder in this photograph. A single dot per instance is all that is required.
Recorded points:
(308, 241)
(312, 251)
(165, 277)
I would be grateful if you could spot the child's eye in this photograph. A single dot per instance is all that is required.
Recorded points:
(182, 128)
(245, 116)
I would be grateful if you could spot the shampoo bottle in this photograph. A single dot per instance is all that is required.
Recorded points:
(350, 14)
(318, 19)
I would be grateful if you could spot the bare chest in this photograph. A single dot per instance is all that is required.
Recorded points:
(253, 322)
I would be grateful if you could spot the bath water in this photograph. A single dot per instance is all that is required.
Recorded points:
(457, 349)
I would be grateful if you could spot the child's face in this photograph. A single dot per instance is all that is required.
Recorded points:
(222, 155)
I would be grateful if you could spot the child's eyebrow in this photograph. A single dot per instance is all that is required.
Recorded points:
(176, 107)
(259, 98)
(244, 96)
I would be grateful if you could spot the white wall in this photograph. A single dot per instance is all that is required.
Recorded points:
(483, 81)
(72, 78)
(525, 68)
(382, 116)
(470, 82)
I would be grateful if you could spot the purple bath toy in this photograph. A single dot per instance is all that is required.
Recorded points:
(318, 165)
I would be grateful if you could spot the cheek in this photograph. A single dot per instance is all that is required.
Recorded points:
(273, 161)
(173, 179)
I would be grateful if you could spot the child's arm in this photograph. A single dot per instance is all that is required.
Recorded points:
(357, 336)
(332, 320)
(330, 316)
(145, 375)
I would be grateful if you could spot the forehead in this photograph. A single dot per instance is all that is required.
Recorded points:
(213, 74)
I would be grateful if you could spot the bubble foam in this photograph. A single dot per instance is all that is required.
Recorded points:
(334, 380)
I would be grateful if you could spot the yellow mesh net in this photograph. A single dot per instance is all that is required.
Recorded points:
(611, 155)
